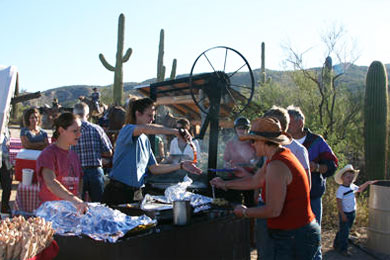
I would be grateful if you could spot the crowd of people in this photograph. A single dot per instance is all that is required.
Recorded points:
(279, 167)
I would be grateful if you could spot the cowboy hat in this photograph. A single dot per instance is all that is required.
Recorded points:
(347, 168)
(267, 129)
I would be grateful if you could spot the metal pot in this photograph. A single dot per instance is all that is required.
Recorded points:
(181, 212)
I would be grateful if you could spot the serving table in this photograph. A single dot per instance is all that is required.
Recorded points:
(207, 237)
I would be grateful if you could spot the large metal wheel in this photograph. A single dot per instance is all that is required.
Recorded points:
(227, 66)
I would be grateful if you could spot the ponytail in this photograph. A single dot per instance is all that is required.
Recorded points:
(135, 105)
(64, 120)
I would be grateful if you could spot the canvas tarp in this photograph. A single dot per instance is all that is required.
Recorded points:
(8, 80)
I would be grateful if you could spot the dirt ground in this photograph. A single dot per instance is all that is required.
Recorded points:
(358, 249)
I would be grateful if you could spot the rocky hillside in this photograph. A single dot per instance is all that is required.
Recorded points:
(68, 95)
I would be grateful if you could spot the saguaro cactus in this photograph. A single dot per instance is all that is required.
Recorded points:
(173, 71)
(263, 74)
(160, 61)
(327, 75)
(120, 59)
(375, 121)
(160, 58)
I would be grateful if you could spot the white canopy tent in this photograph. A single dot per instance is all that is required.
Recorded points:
(8, 82)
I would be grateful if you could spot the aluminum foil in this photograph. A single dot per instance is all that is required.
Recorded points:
(176, 192)
(99, 222)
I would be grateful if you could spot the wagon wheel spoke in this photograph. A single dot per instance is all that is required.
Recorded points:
(204, 54)
(231, 95)
(224, 63)
(231, 75)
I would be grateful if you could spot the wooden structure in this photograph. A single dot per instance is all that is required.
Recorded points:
(176, 94)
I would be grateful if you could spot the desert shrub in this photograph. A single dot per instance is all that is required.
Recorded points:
(330, 217)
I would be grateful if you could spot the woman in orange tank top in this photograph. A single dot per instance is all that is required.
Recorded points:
(290, 220)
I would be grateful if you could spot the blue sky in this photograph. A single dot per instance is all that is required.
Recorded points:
(57, 43)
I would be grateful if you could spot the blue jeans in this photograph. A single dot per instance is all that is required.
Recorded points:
(341, 241)
(264, 243)
(316, 207)
(301, 243)
(93, 183)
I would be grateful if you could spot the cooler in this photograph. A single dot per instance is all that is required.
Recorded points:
(26, 159)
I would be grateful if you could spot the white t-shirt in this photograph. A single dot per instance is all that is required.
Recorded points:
(301, 140)
(175, 150)
(347, 196)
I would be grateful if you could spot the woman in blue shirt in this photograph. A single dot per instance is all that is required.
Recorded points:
(32, 136)
(133, 156)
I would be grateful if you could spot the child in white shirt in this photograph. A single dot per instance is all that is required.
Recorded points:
(346, 204)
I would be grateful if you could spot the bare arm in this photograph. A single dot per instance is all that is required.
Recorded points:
(164, 168)
(161, 149)
(153, 129)
(167, 168)
(33, 145)
(57, 188)
(60, 191)
(277, 178)
(365, 185)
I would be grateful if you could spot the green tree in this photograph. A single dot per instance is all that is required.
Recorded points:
(326, 78)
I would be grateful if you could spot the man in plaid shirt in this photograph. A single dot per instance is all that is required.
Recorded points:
(92, 145)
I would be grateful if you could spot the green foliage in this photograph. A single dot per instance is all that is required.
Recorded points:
(376, 121)
(120, 59)
(330, 217)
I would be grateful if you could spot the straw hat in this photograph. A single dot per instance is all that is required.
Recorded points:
(347, 168)
(267, 129)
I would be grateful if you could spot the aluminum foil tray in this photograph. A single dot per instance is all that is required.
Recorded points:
(99, 222)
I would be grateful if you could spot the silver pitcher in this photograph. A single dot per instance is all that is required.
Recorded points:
(181, 212)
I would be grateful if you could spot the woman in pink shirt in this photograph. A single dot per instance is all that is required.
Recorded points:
(58, 168)
(241, 154)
